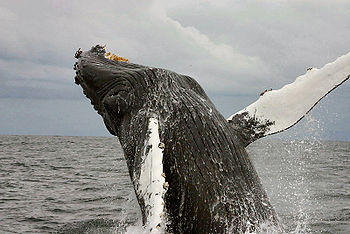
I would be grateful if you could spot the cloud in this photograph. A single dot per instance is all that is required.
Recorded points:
(284, 34)
(216, 51)
(7, 15)
(49, 33)
(285, 37)
(234, 49)
(228, 46)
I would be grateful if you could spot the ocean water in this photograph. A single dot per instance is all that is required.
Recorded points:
(81, 185)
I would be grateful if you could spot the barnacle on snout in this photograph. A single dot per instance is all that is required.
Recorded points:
(114, 57)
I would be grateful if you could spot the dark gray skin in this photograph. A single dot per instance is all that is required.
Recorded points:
(213, 186)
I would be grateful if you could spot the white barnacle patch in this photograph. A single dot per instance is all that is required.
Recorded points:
(161, 145)
(152, 179)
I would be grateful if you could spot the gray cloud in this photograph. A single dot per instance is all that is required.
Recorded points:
(235, 49)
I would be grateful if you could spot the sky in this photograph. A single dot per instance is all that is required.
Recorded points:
(234, 49)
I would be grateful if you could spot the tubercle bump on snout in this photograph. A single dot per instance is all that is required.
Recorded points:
(78, 53)
(76, 78)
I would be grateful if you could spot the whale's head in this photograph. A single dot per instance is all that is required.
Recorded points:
(119, 90)
(115, 88)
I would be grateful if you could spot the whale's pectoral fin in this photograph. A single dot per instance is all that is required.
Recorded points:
(278, 110)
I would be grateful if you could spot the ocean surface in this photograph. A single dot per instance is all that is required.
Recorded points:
(81, 185)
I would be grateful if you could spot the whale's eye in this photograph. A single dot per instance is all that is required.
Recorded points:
(120, 103)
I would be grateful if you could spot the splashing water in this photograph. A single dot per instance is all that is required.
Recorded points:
(291, 193)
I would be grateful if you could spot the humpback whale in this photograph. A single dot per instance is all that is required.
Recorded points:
(188, 164)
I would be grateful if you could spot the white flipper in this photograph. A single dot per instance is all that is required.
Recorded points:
(152, 185)
(277, 110)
